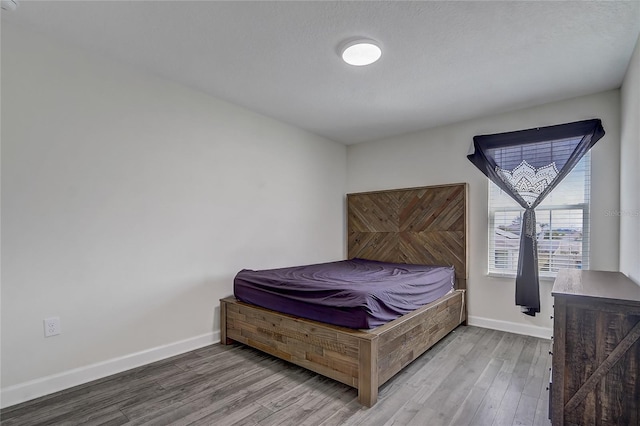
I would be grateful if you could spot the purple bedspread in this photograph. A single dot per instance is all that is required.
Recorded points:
(353, 293)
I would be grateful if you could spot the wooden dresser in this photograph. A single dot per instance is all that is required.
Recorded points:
(596, 349)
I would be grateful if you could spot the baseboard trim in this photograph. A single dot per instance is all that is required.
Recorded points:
(32, 389)
(511, 327)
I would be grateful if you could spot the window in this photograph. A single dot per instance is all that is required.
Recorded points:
(562, 226)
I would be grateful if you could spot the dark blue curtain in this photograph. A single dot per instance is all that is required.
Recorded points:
(527, 165)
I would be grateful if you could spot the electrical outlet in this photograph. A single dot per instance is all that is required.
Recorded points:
(52, 326)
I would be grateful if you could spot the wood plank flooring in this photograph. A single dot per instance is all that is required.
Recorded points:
(474, 376)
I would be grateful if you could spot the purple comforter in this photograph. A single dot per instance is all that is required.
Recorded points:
(353, 293)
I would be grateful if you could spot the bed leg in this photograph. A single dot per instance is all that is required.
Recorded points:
(368, 372)
(224, 340)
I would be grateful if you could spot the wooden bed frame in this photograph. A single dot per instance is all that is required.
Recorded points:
(425, 225)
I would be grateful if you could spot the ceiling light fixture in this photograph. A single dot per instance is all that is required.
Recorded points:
(360, 52)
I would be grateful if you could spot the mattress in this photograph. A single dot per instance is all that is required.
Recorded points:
(354, 293)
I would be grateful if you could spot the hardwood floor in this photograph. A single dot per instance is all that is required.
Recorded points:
(474, 376)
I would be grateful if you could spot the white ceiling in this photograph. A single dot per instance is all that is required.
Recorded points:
(442, 62)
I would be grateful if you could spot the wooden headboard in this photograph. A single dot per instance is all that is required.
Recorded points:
(426, 225)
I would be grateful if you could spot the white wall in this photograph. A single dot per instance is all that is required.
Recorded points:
(439, 156)
(630, 170)
(129, 203)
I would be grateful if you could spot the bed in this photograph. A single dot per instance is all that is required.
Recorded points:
(414, 226)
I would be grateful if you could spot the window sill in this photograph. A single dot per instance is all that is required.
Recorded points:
(513, 276)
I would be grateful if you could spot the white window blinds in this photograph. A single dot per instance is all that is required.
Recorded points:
(562, 226)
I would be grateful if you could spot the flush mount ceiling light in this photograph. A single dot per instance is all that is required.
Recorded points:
(360, 52)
